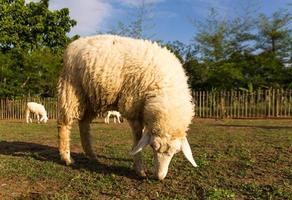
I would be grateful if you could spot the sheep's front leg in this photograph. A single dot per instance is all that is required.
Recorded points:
(84, 128)
(27, 117)
(106, 119)
(118, 118)
(137, 128)
(64, 143)
(38, 118)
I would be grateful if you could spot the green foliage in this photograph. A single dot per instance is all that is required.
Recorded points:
(29, 73)
(216, 194)
(233, 54)
(33, 25)
(274, 33)
(248, 89)
(32, 39)
(226, 54)
(226, 75)
(198, 73)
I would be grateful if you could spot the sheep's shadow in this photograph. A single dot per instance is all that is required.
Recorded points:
(49, 153)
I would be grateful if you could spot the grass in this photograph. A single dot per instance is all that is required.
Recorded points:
(238, 159)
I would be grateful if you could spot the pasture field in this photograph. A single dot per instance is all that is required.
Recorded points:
(238, 159)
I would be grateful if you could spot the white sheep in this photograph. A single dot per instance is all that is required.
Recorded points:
(116, 115)
(142, 80)
(37, 109)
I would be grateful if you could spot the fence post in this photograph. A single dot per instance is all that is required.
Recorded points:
(289, 102)
(277, 102)
(222, 106)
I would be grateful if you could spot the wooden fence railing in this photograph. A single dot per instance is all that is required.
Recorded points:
(273, 103)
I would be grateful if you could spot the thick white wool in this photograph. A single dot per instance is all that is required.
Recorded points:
(139, 78)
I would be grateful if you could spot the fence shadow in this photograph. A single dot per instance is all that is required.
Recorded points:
(48, 153)
(252, 126)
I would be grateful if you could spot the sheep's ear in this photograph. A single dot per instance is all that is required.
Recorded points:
(141, 144)
(186, 149)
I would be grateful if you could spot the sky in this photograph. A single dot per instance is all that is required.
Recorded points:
(169, 20)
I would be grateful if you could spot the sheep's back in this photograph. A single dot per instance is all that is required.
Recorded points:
(36, 108)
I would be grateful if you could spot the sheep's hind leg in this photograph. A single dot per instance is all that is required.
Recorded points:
(84, 128)
(65, 121)
(137, 128)
(64, 142)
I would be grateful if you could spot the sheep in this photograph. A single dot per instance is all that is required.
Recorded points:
(116, 115)
(37, 109)
(142, 80)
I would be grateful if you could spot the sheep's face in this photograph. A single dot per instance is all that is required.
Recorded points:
(163, 152)
(164, 149)
(44, 119)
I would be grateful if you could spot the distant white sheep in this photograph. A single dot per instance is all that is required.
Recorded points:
(38, 110)
(144, 81)
(116, 115)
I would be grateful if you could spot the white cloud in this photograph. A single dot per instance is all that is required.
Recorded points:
(90, 14)
(136, 3)
(93, 16)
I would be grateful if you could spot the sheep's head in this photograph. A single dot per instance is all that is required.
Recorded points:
(164, 149)
(44, 119)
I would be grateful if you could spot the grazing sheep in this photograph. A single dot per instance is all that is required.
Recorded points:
(37, 109)
(116, 115)
(142, 80)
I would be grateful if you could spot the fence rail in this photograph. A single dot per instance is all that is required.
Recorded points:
(273, 103)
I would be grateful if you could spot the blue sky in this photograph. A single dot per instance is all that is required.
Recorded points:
(171, 19)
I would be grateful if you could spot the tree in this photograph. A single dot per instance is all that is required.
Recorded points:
(182, 51)
(198, 74)
(243, 51)
(217, 39)
(138, 27)
(33, 25)
(32, 40)
(274, 32)
(210, 38)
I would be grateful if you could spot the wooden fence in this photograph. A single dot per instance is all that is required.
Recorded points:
(273, 103)
(15, 108)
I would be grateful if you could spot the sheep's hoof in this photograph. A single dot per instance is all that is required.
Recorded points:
(141, 173)
(69, 161)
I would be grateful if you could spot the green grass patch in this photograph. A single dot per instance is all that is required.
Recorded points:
(238, 159)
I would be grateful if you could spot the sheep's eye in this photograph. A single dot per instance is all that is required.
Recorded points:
(164, 148)
(156, 146)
